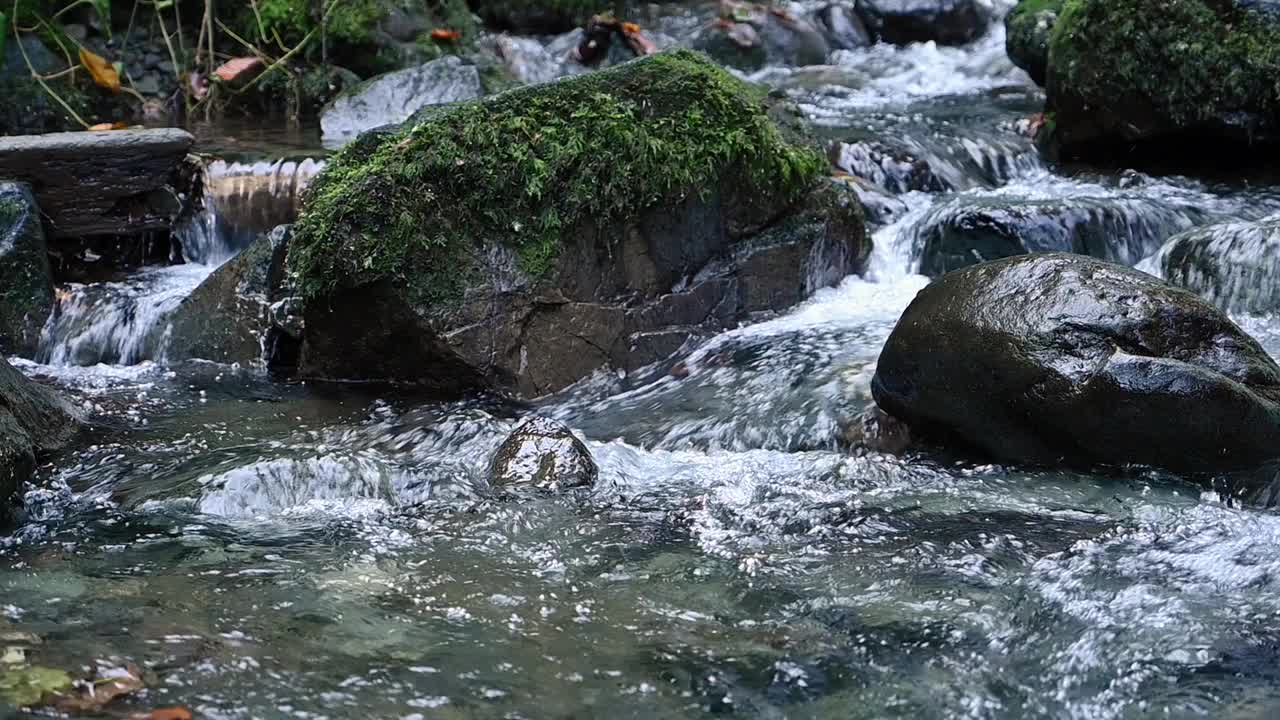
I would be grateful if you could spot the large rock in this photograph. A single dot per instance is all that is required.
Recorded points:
(543, 454)
(391, 98)
(1187, 82)
(751, 36)
(1234, 265)
(34, 422)
(1054, 358)
(26, 295)
(227, 318)
(969, 230)
(946, 22)
(121, 183)
(525, 241)
(1028, 28)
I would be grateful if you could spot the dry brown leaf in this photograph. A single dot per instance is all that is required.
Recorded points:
(102, 72)
(169, 713)
(108, 126)
(446, 35)
(92, 695)
(236, 68)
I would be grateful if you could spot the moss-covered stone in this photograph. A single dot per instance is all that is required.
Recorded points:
(1194, 75)
(1028, 28)
(26, 293)
(417, 207)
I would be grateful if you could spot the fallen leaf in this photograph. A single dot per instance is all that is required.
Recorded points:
(108, 126)
(236, 68)
(102, 72)
(630, 27)
(109, 684)
(446, 35)
(170, 713)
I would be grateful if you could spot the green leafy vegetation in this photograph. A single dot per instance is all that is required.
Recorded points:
(1183, 60)
(417, 205)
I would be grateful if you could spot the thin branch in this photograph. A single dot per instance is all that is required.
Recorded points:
(248, 45)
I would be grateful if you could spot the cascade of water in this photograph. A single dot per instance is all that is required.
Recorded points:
(124, 322)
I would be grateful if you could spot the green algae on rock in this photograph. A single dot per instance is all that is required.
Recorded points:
(1131, 76)
(414, 206)
(1028, 28)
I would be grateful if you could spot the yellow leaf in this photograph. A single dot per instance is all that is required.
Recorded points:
(108, 126)
(100, 70)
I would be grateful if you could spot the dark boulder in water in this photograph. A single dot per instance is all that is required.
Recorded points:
(967, 231)
(228, 317)
(543, 454)
(34, 421)
(1234, 265)
(26, 287)
(1190, 82)
(1062, 359)
(843, 27)
(893, 167)
(946, 22)
(524, 241)
(750, 36)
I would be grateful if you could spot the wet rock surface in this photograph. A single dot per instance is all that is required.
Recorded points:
(896, 169)
(969, 231)
(1058, 359)
(125, 182)
(1028, 28)
(26, 291)
(946, 22)
(228, 317)
(34, 422)
(545, 455)
(391, 98)
(1234, 265)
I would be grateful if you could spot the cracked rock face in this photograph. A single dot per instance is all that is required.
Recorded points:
(1053, 359)
(543, 454)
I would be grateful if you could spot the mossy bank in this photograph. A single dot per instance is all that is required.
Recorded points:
(1132, 80)
(523, 241)
(415, 206)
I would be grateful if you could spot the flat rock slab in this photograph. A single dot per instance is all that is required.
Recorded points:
(123, 182)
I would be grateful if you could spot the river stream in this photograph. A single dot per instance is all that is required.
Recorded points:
(285, 550)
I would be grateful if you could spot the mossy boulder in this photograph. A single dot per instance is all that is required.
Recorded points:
(1028, 28)
(522, 241)
(1184, 80)
(26, 294)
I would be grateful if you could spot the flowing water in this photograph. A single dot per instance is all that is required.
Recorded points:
(270, 550)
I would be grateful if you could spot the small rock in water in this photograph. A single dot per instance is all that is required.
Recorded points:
(877, 430)
(544, 454)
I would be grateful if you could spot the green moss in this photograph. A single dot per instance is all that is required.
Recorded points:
(350, 21)
(417, 205)
(1183, 61)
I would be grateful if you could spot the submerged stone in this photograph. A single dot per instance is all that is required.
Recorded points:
(391, 98)
(1182, 82)
(543, 454)
(1055, 359)
(34, 421)
(26, 288)
(1234, 265)
(521, 242)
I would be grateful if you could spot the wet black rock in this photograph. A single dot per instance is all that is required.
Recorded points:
(967, 231)
(1057, 359)
(543, 454)
(34, 422)
(228, 317)
(946, 22)
(893, 168)
(876, 430)
(1234, 265)
(1027, 30)
(26, 291)
(843, 27)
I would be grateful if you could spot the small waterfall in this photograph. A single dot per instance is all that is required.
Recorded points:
(1233, 265)
(123, 322)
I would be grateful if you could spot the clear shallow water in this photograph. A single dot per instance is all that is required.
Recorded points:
(268, 550)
